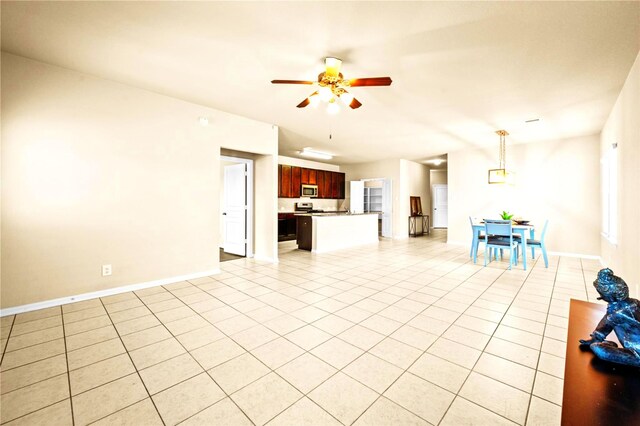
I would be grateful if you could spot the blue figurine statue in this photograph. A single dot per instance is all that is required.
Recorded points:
(622, 317)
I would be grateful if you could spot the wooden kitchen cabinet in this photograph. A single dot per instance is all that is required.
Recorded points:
(341, 185)
(280, 181)
(331, 185)
(285, 181)
(304, 229)
(334, 185)
(296, 179)
(320, 183)
(327, 184)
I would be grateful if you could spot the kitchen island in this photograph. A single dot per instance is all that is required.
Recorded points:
(325, 232)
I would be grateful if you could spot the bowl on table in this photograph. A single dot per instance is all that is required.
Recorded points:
(521, 222)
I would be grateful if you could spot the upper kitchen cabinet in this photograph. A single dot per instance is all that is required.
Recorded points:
(285, 181)
(341, 184)
(296, 181)
(291, 178)
(320, 183)
(325, 192)
(280, 181)
(313, 177)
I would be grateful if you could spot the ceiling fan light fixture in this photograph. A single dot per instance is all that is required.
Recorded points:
(333, 107)
(325, 93)
(347, 98)
(332, 66)
(331, 85)
(308, 152)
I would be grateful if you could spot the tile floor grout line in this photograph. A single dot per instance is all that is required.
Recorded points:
(307, 351)
(471, 370)
(66, 356)
(204, 370)
(405, 271)
(406, 370)
(35, 319)
(135, 367)
(535, 375)
(39, 409)
(29, 346)
(6, 345)
(250, 353)
(38, 360)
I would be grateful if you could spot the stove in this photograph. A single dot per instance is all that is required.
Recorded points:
(306, 208)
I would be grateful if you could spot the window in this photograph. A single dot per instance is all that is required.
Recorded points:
(609, 182)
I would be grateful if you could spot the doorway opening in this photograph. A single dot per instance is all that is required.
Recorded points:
(236, 208)
(377, 198)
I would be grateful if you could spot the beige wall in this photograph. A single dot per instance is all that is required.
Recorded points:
(95, 172)
(438, 177)
(265, 205)
(414, 182)
(556, 180)
(623, 128)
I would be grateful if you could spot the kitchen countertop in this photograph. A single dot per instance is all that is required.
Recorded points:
(324, 214)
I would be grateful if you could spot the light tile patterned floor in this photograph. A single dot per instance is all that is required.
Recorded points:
(410, 332)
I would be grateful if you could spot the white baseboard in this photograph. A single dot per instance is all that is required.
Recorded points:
(103, 293)
(550, 253)
(265, 258)
(580, 255)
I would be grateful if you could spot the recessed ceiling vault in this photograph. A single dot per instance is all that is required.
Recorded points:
(460, 70)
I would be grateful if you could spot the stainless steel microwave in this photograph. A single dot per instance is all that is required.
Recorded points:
(309, 191)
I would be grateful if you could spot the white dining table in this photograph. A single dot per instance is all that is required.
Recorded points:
(521, 230)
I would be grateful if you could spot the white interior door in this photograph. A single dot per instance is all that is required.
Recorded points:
(387, 213)
(440, 206)
(234, 212)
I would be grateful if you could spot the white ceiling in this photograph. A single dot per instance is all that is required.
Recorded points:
(460, 70)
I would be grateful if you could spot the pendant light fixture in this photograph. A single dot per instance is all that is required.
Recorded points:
(501, 175)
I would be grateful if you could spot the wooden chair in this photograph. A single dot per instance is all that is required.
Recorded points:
(499, 235)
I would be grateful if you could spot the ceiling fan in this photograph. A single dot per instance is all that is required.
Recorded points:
(332, 86)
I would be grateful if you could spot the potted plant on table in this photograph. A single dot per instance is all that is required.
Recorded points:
(506, 216)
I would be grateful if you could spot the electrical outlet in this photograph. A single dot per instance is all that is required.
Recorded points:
(106, 270)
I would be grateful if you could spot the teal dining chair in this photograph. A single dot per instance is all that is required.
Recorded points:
(540, 243)
(498, 234)
(475, 240)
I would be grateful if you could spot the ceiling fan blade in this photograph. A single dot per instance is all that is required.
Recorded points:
(371, 81)
(307, 101)
(355, 104)
(303, 103)
(291, 82)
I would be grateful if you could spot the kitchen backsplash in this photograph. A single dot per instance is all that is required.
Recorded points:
(288, 204)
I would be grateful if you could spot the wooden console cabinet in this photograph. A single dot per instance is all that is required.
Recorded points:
(596, 392)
